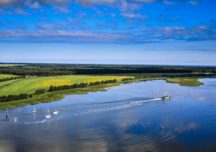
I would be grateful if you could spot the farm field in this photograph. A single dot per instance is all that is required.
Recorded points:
(30, 84)
(10, 65)
(5, 76)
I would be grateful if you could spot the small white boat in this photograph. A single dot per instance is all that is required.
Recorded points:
(34, 110)
(55, 112)
(14, 120)
(48, 116)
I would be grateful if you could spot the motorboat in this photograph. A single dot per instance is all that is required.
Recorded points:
(166, 98)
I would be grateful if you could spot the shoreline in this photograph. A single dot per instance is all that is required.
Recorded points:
(55, 96)
(190, 82)
(58, 95)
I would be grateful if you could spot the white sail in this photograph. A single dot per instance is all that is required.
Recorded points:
(34, 110)
(48, 116)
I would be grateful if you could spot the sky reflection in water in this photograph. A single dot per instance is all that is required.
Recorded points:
(107, 121)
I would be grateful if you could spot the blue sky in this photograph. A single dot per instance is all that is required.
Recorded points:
(179, 32)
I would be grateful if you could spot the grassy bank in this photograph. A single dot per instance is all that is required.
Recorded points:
(31, 84)
(54, 96)
(185, 81)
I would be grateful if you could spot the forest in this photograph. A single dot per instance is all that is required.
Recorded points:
(68, 69)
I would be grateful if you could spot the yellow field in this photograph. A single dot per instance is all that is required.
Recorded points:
(29, 85)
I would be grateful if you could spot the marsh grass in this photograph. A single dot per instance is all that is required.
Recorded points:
(185, 81)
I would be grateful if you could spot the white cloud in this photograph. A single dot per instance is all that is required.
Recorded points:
(31, 3)
(168, 2)
(92, 2)
(34, 5)
(145, 1)
(193, 2)
(133, 16)
(65, 35)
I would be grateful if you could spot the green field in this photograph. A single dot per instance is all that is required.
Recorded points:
(54, 96)
(185, 81)
(10, 65)
(29, 85)
(5, 76)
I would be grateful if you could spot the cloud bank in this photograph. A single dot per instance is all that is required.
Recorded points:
(109, 21)
(39, 3)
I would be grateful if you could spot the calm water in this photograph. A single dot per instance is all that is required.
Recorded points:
(108, 121)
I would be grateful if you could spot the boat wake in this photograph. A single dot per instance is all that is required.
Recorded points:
(36, 122)
(98, 108)
(130, 104)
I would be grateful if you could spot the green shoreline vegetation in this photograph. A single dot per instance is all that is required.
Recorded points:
(185, 81)
(24, 84)
(46, 89)
(50, 96)
(54, 96)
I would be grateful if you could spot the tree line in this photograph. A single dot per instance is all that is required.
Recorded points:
(127, 79)
(21, 96)
(14, 97)
(12, 78)
(80, 85)
(68, 69)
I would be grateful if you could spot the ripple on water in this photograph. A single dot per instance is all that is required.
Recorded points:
(170, 129)
(167, 131)
(143, 143)
(94, 146)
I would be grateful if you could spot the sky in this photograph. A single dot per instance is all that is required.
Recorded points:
(168, 32)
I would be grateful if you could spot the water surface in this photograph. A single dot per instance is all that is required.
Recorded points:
(112, 121)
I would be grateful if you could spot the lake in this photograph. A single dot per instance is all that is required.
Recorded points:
(113, 121)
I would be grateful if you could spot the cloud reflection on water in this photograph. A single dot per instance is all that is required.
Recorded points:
(152, 126)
